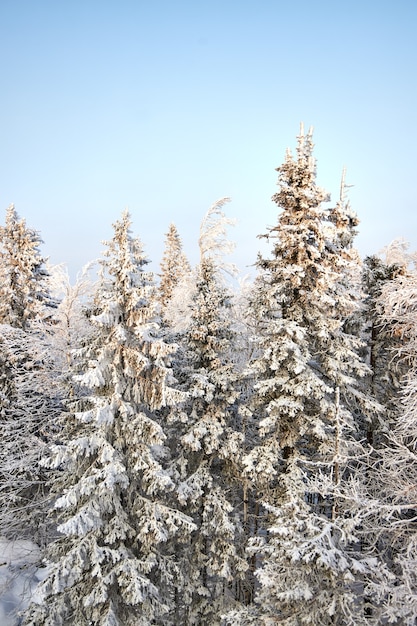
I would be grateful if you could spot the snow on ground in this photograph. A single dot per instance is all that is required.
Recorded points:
(19, 576)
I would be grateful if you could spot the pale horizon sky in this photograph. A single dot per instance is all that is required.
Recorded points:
(165, 107)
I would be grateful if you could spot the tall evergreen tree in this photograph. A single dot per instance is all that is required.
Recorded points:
(109, 566)
(341, 351)
(207, 465)
(291, 306)
(303, 403)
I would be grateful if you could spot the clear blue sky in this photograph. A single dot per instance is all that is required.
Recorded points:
(165, 106)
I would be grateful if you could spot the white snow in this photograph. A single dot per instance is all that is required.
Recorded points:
(19, 577)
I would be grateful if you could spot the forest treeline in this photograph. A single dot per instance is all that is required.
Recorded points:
(187, 453)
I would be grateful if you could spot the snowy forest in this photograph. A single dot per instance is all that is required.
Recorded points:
(182, 449)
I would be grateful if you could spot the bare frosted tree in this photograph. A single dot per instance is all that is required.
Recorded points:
(71, 328)
(29, 405)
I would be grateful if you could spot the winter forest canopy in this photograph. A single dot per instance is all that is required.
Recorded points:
(176, 451)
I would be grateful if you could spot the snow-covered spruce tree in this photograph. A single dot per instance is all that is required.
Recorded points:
(291, 306)
(342, 352)
(24, 292)
(109, 566)
(303, 403)
(396, 470)
(244, 351)
(174, 266)
(208, 443)
(383, 344)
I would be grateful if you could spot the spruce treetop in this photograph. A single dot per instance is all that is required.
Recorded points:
(174, 266)
(23, 276)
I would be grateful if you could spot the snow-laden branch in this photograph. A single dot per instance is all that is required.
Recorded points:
(213, 242)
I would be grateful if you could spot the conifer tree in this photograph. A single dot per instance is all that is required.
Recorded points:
(207, 465)
(341, 351)
(174, 266)
(303, 404)
(291, 306)
(395, 464)
(109, 566)
(24, 290)
(383, 341)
